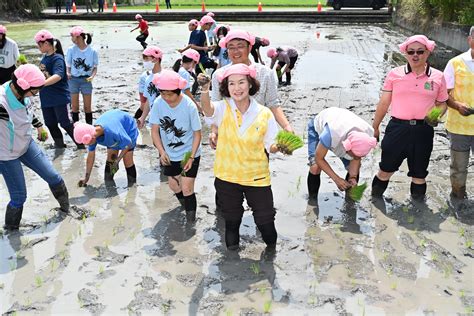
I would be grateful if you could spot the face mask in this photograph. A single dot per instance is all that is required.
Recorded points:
(148, 65)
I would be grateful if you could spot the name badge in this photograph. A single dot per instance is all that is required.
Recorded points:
(429, 85)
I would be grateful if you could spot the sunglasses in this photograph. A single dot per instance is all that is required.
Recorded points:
(418, 52)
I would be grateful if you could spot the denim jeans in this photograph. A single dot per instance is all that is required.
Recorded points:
(12, 171)
(313, 141)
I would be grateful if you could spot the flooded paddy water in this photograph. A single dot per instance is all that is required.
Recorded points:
(130, 251)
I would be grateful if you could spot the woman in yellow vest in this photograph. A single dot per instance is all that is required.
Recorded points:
(459, 74)
(247, 131)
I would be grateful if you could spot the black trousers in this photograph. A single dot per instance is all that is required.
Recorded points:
(231, 198)
(6, 74)
(142, 39)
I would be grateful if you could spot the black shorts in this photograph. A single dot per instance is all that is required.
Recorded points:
(175, 169)
(404, 141)
(292, 62)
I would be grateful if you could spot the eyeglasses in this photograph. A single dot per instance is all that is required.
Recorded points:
(418, 52)
(238, 47)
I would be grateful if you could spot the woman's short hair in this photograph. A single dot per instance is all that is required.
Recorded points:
(254, 86)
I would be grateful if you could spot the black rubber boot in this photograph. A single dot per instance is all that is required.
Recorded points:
(61, 195)
(138, 114)
(131, 175)
(418, 191)
(288, 78)
(190, 205)
(89, 118)
(59, 143)
(108, 176)
(269, 234)
(13, 217)
(232, 235)
(378, 187)
(75, 117)
(314, 182)
(180, 198)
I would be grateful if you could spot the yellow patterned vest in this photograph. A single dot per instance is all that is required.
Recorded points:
(242, 159)
(463, 92)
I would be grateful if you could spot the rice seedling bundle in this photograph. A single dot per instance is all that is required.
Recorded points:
(356, 192)
(288, 142)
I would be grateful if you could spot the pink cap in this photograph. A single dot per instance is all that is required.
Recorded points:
(211, 14)
(77, 30)
(360, 143)
(265, 41)
(193, 22)
(138, 16)
(238, 69)
(153, 51)
(218, 27)
(193, 54)
(43, 35)
(237, 34)
(83, 132)
(169, 80)
(206, 19)
(271, 52)
(29, 76)
(430, 45)
(3, 29)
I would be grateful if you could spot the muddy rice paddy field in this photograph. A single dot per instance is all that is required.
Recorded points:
(130, 251)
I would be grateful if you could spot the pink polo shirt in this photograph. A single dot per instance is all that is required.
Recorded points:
(412, 95)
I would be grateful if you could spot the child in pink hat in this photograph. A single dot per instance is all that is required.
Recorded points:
(221, 52)
(255, 52)
(18, 149)
(286, 56)
(247, 132)
(116, 130)
(9, 54)
(152, 56)
(185, 68)
(143, 26)
(348, 136)
(176, 133)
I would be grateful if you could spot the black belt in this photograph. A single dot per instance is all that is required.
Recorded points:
(409, 122)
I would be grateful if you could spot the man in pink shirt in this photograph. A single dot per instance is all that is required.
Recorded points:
(410, 91)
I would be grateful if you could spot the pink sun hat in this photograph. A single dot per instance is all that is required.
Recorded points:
(211, 14)
(430, 45)
(29, 76)
(238, 69)
(3, 29)
(272, 53)
(359, 143)
(265, 41)
(83, 132)
(138, 16)
(193, 54)
(193, 22)
(77, 30)
(153, 51)
(43, 35)
(206, 19)
(169, 80)
(237, 34)
(219, 26)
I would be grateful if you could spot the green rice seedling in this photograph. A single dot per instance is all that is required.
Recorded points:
(423, 243)
(267, 306)
(469, 243)
(101, 269)
(462, 293)
(393, 286)
(357, 191)
(22, 59)
(298, 183)
(255, 267)
(53, 265)
(462, 231)
(405, 209)
(228, 312)
(432, 117)
(288, 142)
(185, 160)
(434, 256)
(411, 219)
(263, 289)
(38, 281)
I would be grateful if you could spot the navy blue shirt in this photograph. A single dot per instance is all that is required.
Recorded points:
(198, 38)
(120, 130)
(58, 93)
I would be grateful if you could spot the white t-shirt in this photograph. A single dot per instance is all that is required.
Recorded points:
(9, 54)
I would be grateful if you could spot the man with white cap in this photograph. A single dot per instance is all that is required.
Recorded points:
(8, 55)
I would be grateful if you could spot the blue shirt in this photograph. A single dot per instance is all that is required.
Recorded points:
(223, 57)
(150, 91)
(325, 137)
(58, 93)
(186, 75)
(176, 126)
(141, 81)
(82, 62)
(120, 130)
(198, 38)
